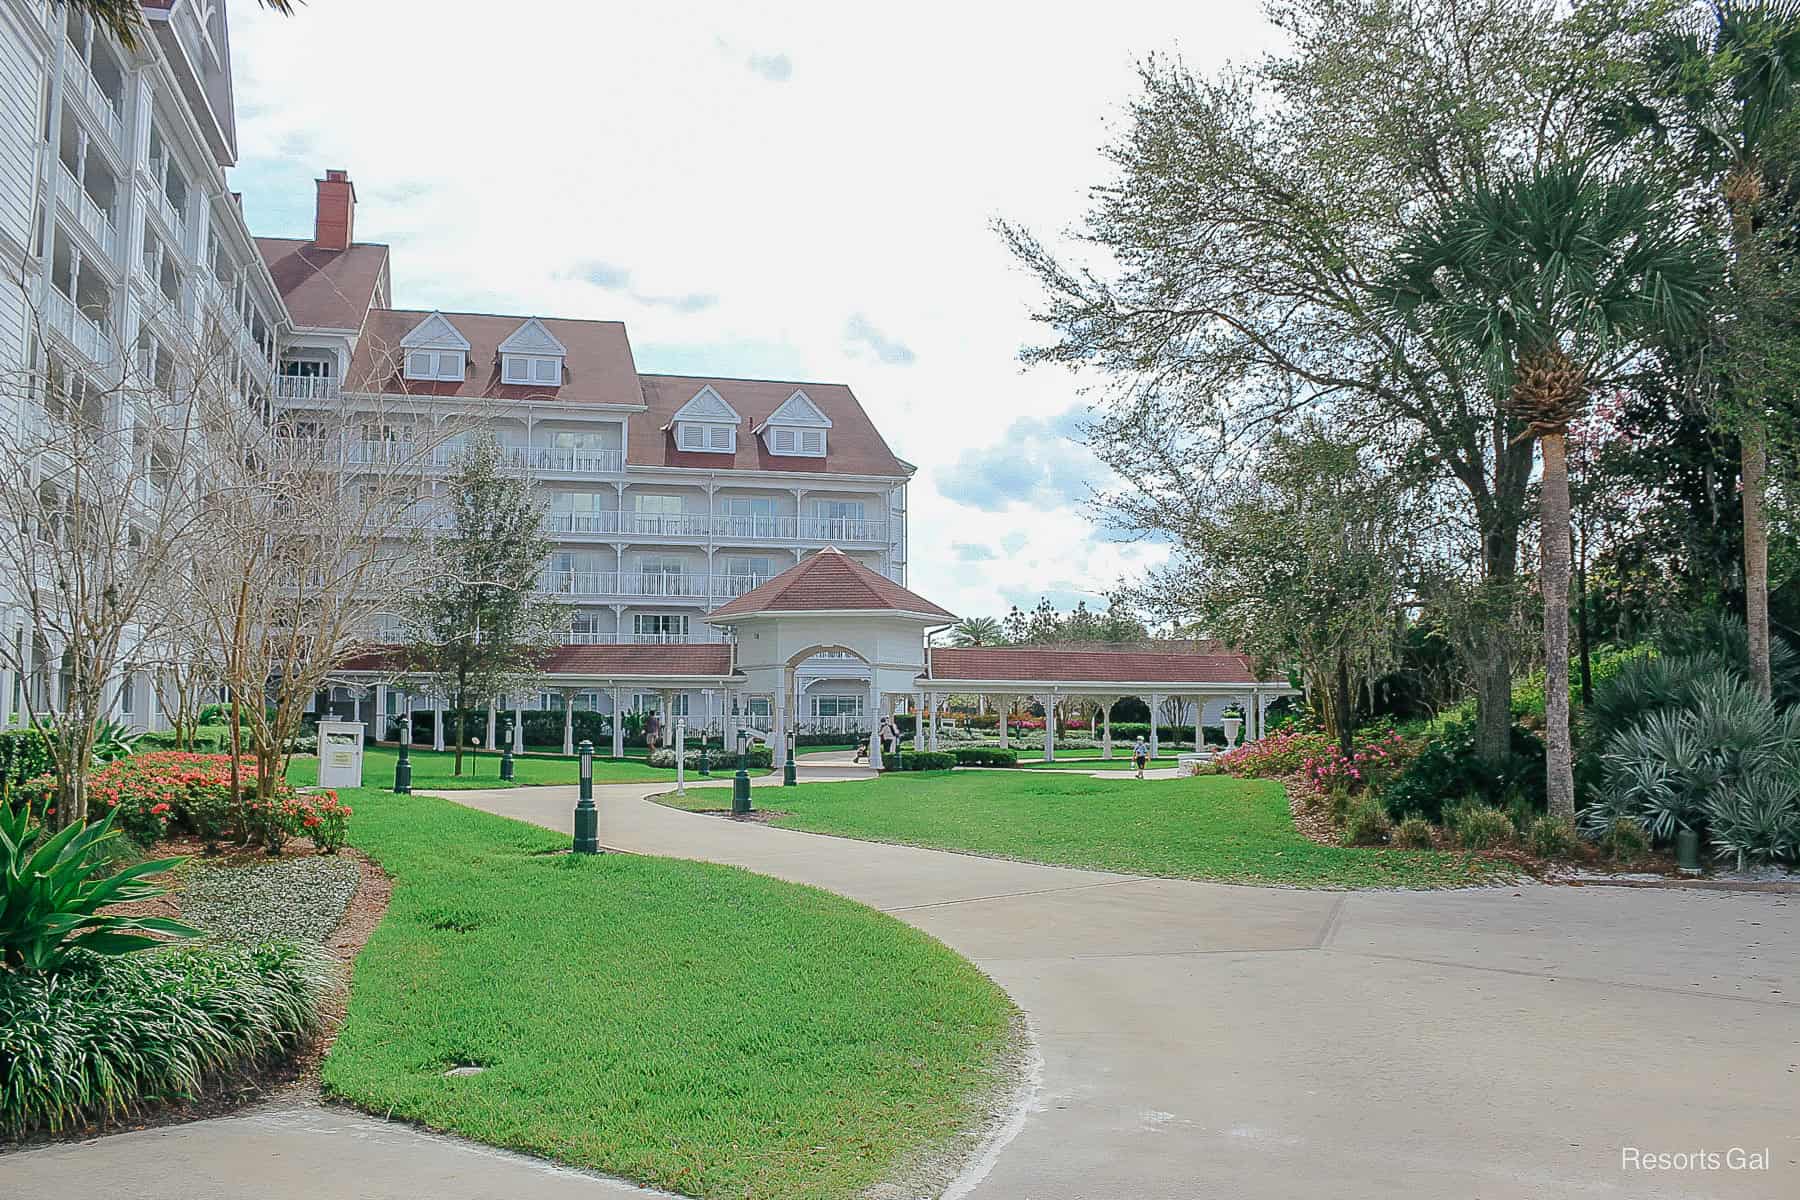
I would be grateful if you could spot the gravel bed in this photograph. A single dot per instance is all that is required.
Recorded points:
(299, 898)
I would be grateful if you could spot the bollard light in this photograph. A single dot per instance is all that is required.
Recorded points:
(506, 756)
(740, 783)
(789, 773)
(587, 817)
(403, 767)
(681, 758)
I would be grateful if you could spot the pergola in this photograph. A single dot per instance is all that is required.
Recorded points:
(1094, 677)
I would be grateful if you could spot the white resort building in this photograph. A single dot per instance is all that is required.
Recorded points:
(733, 551)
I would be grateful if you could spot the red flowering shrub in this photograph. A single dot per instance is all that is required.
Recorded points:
(1276, 755)
(273, 821)
(326, 822)
(152, 792)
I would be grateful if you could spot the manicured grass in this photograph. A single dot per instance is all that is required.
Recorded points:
(432, 769)
(1120, 762)
(1210, 827)
(690, 1026)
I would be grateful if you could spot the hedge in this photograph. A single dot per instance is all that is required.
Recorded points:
(927, 760)
(985, 756)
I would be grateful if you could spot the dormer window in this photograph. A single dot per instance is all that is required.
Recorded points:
(532, 356)
(529, 368)
(707, 438)
(434, 364)
(435, 349)
(798, 428)
(705, 424)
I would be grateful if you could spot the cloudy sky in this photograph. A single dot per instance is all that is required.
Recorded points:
(789, 191)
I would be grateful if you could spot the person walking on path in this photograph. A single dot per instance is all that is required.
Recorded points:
(1140, 754)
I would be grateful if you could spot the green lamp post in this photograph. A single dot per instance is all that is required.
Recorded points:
(506, 756)
(740, 783)
(403, 766)
(587, 817)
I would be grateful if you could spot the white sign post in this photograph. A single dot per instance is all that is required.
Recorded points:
(340, 754)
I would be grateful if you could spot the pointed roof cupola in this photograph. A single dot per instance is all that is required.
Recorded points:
(435, 333)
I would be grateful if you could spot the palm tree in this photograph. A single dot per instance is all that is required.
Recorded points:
(1721, 93)
(1554, 280)
(124, 19)
(976, 631)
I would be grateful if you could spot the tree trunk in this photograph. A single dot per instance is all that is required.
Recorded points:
(1756, 560)
(1581, 624)
(1553, 579)
(1342, 703)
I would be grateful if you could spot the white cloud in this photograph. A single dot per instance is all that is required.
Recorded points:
(754, 180)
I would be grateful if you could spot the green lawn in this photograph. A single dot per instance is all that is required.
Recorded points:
(1211, 827)
(1119, 762)
(431, 769)
(689, 1026)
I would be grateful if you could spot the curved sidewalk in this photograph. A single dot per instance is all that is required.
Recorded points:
(1205, 1040)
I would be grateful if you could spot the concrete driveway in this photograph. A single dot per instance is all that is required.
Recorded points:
(1206, 1040)
(1203, 1040)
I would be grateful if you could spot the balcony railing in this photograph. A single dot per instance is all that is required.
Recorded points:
(611, 523)
(89, 215)
(657, 584)
(697, 638)
(576, 460)
(82, 83)
(308, 387)
(87, 335)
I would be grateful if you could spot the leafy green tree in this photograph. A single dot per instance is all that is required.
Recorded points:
(1554, 281)
(1721, 96)
(1244, 236)
(1300, 562)
(478, 629)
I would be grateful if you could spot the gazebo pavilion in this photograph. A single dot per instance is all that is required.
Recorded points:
(830, 603)
(1096, 680)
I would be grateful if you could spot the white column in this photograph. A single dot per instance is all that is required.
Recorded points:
(1199, 729)
(437, 722)
(1004, 705)
(727, 724)
(518, 735)
(1155, 705)
(1049, 703)
(355, 700)
(568, 699)
(874, 725)
(379, 718)
(1106, 746)
(618, 723)
(779, 733)
(492, 721)
(918, 716)
(937, 703)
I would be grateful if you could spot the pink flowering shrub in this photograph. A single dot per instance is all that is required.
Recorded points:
(326, 822)
(1368, 769)
(1278, 754)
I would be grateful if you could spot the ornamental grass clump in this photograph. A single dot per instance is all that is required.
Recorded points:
(106, 1037)
(1480, 826)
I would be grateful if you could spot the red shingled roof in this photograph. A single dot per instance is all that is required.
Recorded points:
(599, 368)
(853, 446)
(679, 661)
(1033, 663)
(829, 581)
(327, 289)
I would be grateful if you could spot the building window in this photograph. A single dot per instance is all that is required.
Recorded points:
(659, 627)
(750, 516)
(584, 627)
(651, 702)
(837, 706)
(522, 368)
(434, 364)
(710, 439)
(128, 695)
(804, 442)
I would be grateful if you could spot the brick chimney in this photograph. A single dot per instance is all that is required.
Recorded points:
(336, 213)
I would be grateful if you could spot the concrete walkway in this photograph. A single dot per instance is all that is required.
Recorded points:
(1202, 1040)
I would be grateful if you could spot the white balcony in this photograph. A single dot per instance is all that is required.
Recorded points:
(659, 585)
(80, 82)
(841, 530)
(381, 453)
(675, 526)
(645, 639)
(307, 387)
(174, 224)
(574, 460)
(85, 334)
(89, 215)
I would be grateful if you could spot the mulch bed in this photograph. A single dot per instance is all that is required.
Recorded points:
(756, 816)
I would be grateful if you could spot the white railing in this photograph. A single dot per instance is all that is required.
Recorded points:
(842, 723)
(370, 453)
(756, 529)
(307, 387)
(660, 584)
(87, 335)
(81, 81)
(575, 459)
(88, 214)
(729, 587)
(842, 529)
(644, 639)
(581, 522)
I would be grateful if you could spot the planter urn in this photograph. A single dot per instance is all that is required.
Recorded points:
(1232, 725)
